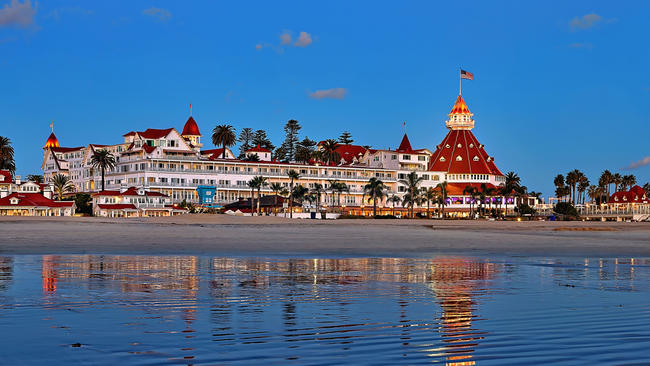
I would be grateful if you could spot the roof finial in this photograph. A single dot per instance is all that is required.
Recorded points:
(190, 109)
(52, 126)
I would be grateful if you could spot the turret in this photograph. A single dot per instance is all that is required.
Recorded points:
(192, 134)
(460, 118)
(52, 141)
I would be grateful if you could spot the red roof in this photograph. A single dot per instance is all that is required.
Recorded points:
(460, 107)
(154, 133)
(148, 149)
(212, 152)
(258, 149)
(405, 145)
(52, 141)
(349, 152)
(66, 149)
(130, 133)
(461, 153)
(5, 176)
(116, 206)
(191, 128)
(636, 194)
(33, 200)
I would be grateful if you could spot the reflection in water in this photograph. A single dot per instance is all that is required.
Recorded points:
(199, 310)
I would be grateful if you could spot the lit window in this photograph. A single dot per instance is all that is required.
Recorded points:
(459, 158)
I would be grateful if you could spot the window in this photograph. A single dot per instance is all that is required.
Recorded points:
(401, 176)
(459, 158)
(406, 157)
(442, 158)
(475, 158)
(422, 158)
(393, 157)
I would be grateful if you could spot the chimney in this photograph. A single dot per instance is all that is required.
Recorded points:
(47, 191)
(17, 179)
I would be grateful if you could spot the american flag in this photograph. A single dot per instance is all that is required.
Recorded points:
(466, 75)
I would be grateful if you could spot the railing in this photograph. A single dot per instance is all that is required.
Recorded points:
(266, 174)
(601, 210)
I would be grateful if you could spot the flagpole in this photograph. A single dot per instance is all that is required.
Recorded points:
(460, 82)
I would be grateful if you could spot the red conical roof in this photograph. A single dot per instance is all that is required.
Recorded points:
(461, 153)
(405, 145)
(191, 128)
(460, 107)
(51, 141)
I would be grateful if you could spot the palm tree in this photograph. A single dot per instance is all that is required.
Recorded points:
(224, 136)
(317, 191)
(394, 199)
(103, 160)
(340, 187)
(328, 151)
(512, 183)
(628, 181)
(490, 191)
(442, 187)
(646, 188)
(36, 178)
(7, 155)
(471, 191)
(276, 188)
(558, 181)
(332, 185)
(298, 193)
(412, 183)
(572, 178)
(410, 199)
(261, 182)
(375, 189)
(594, 192)
(429, 195)
(252, 184)
(617, 180)
(62, 185)
(583, 185)
(605, 180)
(293, 175)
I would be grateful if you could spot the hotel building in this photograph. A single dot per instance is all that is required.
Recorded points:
(175, 164)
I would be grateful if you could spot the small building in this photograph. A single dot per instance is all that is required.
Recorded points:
(636, 194)
(262, 153)
(206, 195)
(134, 202)
(19, 198)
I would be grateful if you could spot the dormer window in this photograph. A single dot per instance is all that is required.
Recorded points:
(475, 158)
(471, 145)
(447, 146)
(442, 158)
(459, 158)
(14, 201)
(459, 145)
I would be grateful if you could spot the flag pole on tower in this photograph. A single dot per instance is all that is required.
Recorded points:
(190, 109)
(52, 126)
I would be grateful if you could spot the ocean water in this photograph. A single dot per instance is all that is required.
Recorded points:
(449, 310)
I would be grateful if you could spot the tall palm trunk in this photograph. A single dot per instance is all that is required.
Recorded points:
(102, 178)
(291, 200)
(258, 200)
(374, 205)
(252, 197)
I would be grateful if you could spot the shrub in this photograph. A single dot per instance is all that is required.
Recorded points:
(566, 209)
(82, 201)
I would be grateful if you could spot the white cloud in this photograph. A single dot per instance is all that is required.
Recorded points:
(285, 38)
(18, 14)
(581, 45)
(162, 15)
(585, 22)
(334, 93)
(304, 40)
(638, 164)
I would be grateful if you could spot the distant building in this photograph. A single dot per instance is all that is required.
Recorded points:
(635, 195)
(134, 202)
(19, 198)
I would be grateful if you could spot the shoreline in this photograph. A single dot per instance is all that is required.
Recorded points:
(202, 234)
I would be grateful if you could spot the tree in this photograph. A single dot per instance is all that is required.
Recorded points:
(442, 188)
(224, 136)
(280, 154)
(394, 199)
(62, 185)
(512, 183)
(628, 181)
(472, 192)
(339, 188)
(251, 157)
(103, 160)
(252, 184)
(293, 175)
(328, 152)
(605, 180)
(305, 150)
(412, 183)
(7, 155)
(276, 188)
(261, 182)
(489, 192)
(260, 138)
(559, 183)
(246, 140)
(82, 201)
(375, 189)
(617, 180)
(571, 180)
(299, 192)
(646, 188)
(317, 191)
(595, 193)
(36, 178)
(346, 138)
(583, 184)
(429, 195)
(291, 139)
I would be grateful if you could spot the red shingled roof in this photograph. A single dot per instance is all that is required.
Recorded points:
(116, 206)
(191, 128)
(154, 133)
(52, 141)
(636, 194)
(66, 149)
(258, 149)
(461, 153)
(349, 152)
(148, 149)
(33, 200)
(5, 176)
(405, 145)
(460, 107)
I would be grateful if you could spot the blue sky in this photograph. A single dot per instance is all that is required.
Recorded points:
(556, 87)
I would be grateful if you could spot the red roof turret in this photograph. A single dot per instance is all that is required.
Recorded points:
(405, 145)
(52, 141)
(191, 128)
(460, 107)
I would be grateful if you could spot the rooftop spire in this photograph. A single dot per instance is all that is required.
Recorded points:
(460, 118)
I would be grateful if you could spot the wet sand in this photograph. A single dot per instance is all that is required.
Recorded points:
(274, 236)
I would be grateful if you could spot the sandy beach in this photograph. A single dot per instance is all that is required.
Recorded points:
(264, 236)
